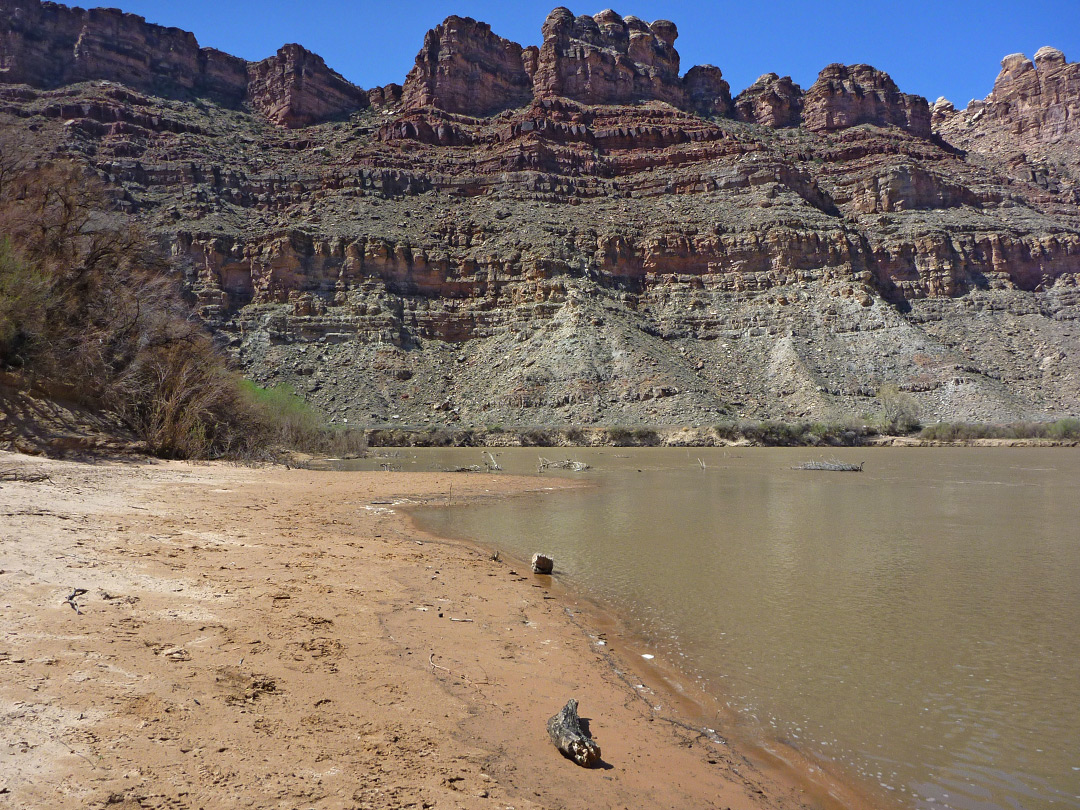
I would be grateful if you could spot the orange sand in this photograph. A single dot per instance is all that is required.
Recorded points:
(277, 638)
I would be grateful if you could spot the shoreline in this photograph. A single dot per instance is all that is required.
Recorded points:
(270, 637)
(673, 697)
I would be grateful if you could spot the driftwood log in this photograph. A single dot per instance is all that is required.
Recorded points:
(569, 737)
(832, 465)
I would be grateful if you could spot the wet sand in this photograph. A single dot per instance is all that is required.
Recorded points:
(285, 638)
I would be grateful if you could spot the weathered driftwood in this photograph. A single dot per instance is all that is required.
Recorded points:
(542, 563)
(565, 464)
(831, 465)
(75, 594)
(569, 737)
(25, 476)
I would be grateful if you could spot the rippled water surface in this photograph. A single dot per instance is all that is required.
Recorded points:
(918, 622)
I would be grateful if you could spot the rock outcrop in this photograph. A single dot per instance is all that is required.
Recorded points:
(608, 59)
(48, 45)
(1038, 101)
(465, 68)
(387, 96)
(295, 88)
(848, 95)
(772, 100)
(706, 91)
(1030, 121)
(51, 45)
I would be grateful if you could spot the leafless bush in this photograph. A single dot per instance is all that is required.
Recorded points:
(86, 300)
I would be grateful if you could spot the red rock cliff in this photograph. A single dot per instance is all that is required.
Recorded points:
(464, 68)
(1029, 122)
(49, 45)
(1038, 101)
(772, 101)
(608, 59)
(848, 95)
(296, 88)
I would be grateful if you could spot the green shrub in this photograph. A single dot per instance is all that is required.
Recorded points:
(536, 437)
(1064, 430)
(899, 411)
(87, 301)
(1061, 430)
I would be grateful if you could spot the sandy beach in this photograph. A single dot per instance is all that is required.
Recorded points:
(286, 639)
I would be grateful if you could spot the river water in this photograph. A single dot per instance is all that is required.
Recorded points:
(917, 623)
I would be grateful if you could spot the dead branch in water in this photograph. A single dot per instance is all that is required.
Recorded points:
(566, 464)
(832, 465)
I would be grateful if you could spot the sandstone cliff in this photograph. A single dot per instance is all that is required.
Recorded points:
(48, 45)
(848, 95)
(771, 101)
(1030, 122)
(464, 68)
(605, 59)
(598, 251)
(295, 88)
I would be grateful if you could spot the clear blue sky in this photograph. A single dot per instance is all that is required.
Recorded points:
(941, 47)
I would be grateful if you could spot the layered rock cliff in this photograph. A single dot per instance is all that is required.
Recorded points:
(464, 68)
(48, 45)
(604, 59)
(1029, 125)
(296, 88)
(577, 233)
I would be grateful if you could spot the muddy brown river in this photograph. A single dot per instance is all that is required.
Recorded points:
(917, 623)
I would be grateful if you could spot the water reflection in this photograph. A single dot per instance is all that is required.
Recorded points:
(916, 621)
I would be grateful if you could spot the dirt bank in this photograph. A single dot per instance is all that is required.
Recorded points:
(283, 638)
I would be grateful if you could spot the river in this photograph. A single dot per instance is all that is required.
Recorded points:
(917, 623)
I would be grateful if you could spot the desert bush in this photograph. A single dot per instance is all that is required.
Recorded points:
(899, 411)
(646, 437)
(1062, 430)
(728, 431)
(792, 434)
(86, 300)
(284, 421)
(574, 436)
(22, 293)
(537, 437)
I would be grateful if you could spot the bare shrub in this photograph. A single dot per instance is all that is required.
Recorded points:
(87, 301)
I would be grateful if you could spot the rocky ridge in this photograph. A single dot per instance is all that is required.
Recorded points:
(48, 45)
(575, 233)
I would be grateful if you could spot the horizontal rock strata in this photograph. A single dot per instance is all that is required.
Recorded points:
(577, 232)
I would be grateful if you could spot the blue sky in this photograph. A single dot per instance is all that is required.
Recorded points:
(951, 48)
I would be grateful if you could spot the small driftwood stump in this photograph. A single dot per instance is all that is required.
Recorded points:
(566, 732)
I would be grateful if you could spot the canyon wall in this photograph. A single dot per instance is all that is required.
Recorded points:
(577, 231)
(48, 45)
